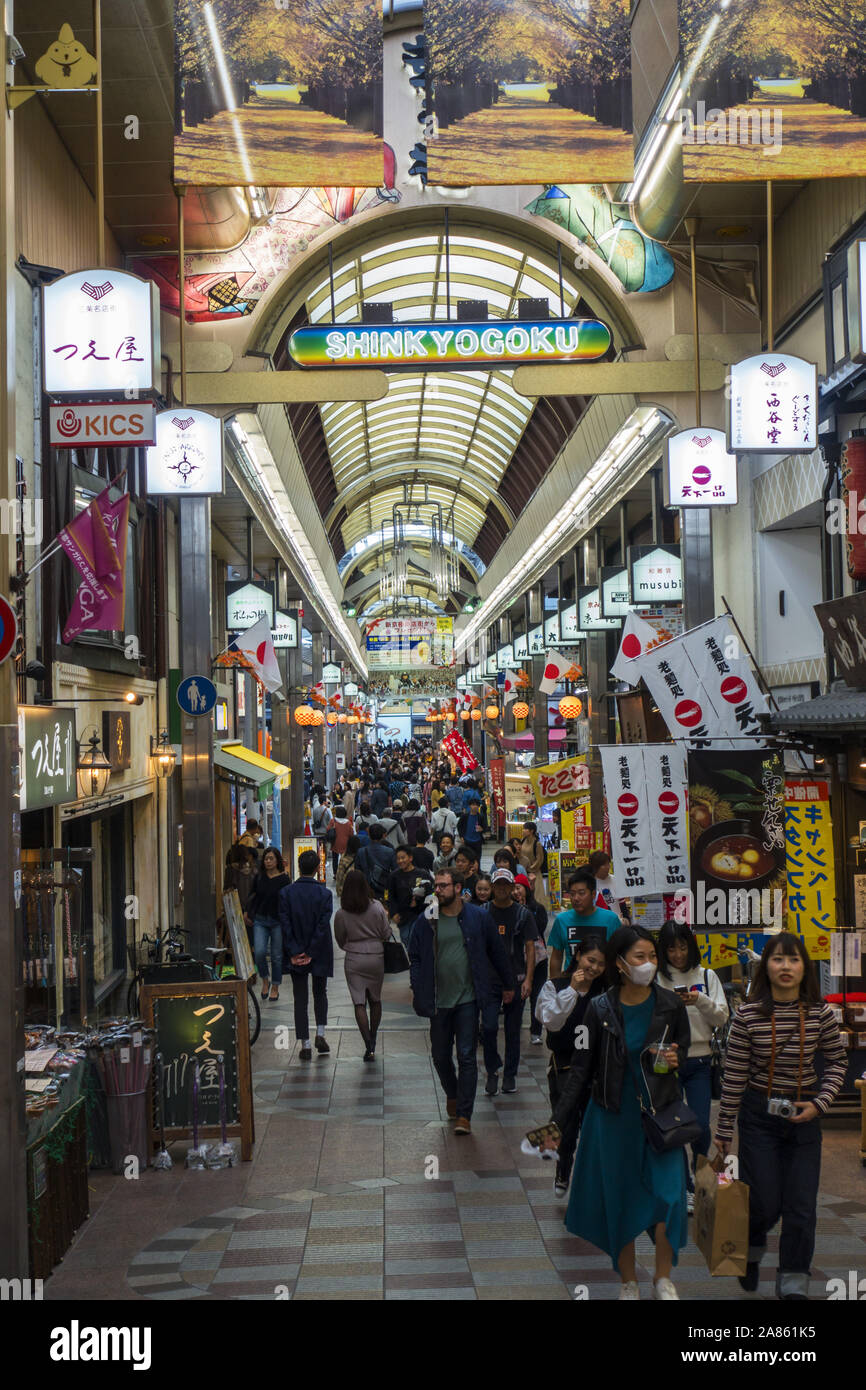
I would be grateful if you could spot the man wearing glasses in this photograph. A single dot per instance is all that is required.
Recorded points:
(454, 951)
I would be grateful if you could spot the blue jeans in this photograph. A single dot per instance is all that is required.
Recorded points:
(459, 1025)
(405, 929)
(513, 1014)
(268, 932)
(695, 1080)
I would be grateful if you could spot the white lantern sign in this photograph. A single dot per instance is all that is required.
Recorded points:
(773, 408)
(187, 459)
(699, 471)
(100, 333)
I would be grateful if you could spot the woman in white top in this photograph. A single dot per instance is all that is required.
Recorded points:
(701, 991)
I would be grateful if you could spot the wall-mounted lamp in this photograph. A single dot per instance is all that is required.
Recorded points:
(162, 754)
(93, 767)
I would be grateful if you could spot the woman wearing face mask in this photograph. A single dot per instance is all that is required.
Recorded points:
(621, 1185)
(771, 1088)
(562, 1003)
(701, 991)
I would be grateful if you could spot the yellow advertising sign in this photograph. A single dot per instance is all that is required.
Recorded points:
(444, 624)
(810, 863)
(564, 781)
(719, 949)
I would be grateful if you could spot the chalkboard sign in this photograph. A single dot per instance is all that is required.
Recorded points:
(196, 1022)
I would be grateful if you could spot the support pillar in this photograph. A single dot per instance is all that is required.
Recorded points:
(696, 538)
(197, 790)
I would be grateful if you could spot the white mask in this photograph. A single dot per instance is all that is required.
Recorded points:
(640, 974)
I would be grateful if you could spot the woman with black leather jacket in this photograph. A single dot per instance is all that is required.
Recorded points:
(636, 1035)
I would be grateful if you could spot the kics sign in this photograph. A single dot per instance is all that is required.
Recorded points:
(101, 424)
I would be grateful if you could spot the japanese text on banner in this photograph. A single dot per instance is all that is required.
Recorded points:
(811, 869)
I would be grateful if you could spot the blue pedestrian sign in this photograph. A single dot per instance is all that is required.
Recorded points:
(196, 695)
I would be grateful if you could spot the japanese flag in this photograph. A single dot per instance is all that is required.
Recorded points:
(510, 685)
(556, 669)
(638, 637)
(257, 647)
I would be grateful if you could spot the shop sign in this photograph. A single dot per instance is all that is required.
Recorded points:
(491, 667)
(518, 793)
(350, 689)
(811, 868)
(551, 631)
(536, 641)
(505, 657)
(647, 803)
(589, 611)
(116, 738)
(496, 782)
(521, 647)
(439, 346)
(699, 471)
(331, 674)
(187, 459)
(247, 603)
(100, 332)
(773, 405)
(615, 599)
(559, 781)
(656, 573)
(102, 424)
(844, 624)
(570, 629)
(48, 756)
(284, 634)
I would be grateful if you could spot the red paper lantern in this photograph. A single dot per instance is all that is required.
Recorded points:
(854, 483)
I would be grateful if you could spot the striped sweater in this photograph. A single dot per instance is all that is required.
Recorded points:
(747, 1057)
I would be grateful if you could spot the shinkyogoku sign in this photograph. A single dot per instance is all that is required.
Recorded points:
(100, 333)
(441, 345)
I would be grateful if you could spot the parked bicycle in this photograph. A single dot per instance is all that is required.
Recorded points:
(167, 950)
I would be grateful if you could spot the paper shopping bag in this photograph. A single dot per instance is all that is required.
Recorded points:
(721, 1220)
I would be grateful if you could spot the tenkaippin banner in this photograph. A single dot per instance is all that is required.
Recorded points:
(529, 91)
(278, 92)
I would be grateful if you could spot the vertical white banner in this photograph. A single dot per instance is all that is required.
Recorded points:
(628, 813)
(666, 773)
(725, 673)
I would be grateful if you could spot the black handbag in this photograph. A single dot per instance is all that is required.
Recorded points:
(672, 1127)
(396, 959)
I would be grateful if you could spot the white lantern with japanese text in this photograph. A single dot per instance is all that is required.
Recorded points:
(187, 459)
(699, 471)
(100, 333)
(773, 407)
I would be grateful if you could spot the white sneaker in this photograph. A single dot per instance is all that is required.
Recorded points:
(664, 1290)
(629, 1293)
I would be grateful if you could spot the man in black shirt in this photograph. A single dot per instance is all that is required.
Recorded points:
(517, 926)
(408, 887)
(466, 863)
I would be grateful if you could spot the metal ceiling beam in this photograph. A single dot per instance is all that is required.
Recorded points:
(433, 470)
(616, 378)
(285, 388)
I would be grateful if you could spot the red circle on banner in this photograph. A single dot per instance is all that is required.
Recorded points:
(688, 713)
(734, 690)
(260, 652)
(669, 803)
(8, 628)
(627, 804)
(701, 475)
(551, 672)
(631, 646)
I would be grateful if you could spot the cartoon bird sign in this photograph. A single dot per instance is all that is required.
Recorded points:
(67, 62)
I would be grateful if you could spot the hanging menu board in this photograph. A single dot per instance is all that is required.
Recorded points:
(195, 1023)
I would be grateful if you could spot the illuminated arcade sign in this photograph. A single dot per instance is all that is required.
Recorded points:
(773, 405)
(187, 460)
(700, 472)
(100, 333)
(441, 345)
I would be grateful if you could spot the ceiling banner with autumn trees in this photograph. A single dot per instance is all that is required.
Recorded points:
(778, 89)
(529, 91)
(278, 92)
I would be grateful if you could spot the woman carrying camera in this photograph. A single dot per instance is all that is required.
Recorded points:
(637, 1035)
(771, 1088)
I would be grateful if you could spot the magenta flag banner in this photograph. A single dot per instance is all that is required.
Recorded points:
(99, 606)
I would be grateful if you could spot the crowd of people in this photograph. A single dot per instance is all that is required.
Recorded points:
(633, 1023)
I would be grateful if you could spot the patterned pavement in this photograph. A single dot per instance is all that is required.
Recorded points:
(359, 1189)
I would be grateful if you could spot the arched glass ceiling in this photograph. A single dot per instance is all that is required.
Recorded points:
(413, 531)
(471, 419)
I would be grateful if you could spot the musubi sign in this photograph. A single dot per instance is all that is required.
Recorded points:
(442, 345)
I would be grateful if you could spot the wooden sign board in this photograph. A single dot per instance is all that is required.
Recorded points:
(241, 954)
(195, 1023)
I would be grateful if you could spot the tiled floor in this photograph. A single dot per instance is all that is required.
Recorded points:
(360, 1190)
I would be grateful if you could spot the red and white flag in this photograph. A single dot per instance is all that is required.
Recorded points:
(556, 669)
(510, 686)
(638, 637)
(255, 648)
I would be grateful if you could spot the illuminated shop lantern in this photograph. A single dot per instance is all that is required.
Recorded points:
(342, 718)
(466, 714)
(352, 719)
(492, 711)
(570, 707)
(449, 714)
(304, 714)
(521, 709)
(318, 717)
(476, 713)
(331, 718)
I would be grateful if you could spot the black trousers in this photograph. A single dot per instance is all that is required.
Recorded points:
(781, 1163)
(301, 995)
(568, 1144)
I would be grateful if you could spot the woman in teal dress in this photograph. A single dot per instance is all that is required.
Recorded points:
(620, 1185)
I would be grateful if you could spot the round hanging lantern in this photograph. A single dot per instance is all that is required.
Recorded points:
(304, 714)
(465, 714)
(318, 716)
(352, 719)
(342, 718)
(492, 711)
(521, 709)
(476, 713)
(331, 718)
(570, 707)
(449, 714)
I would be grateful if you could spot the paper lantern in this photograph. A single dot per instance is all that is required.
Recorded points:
(449, 714)
(331, 718)
(465, 714)
(854, 487)
(342, 718)
(352, 719)
(570, 707)
(304, 714)
(318, 716)
(521, 709)
(476, 714)
(492, 711)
